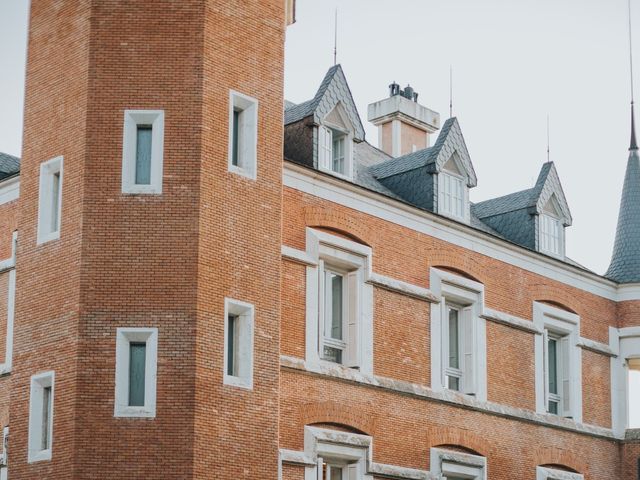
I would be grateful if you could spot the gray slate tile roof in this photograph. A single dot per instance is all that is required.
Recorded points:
(9, 165)
(505, 204)
(625, 262)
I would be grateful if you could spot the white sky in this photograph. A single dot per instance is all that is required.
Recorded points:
(514, 62)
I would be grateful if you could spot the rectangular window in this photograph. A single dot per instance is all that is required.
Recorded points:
(238, 343)
(458, 338)
(243, 134)
(4, 457)
(143, 154)
(336, 469)
(452, 195)
(557, 362)
(136, 366)
(338, 154)
(50, 200)
(634, 392)
(334, 150)
(142, 151)
(550, 235)
(137, 362)
(41, 417)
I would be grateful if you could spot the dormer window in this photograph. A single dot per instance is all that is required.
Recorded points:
(453, 196)
(335, 144)
(551, 230)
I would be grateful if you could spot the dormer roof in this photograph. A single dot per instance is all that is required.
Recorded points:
(333, 90)
(9, 165)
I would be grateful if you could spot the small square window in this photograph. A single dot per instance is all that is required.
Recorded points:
(136, 366)
(142, 151)
(238, 343)
(243, 134)
(41, 417)
(50, 200)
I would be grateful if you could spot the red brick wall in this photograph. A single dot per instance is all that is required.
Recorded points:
(8, 224)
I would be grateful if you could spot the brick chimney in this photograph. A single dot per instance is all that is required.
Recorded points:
(404, 125)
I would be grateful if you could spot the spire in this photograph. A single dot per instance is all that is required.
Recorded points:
(634, 144)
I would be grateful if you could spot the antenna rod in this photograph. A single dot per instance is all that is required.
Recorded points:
(450, 91)
(633, 144)
(548, 150)
(335, 40)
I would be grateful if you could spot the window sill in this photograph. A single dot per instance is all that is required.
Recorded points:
(343, 176)
(135, 412)
(250, 174)
(49, 237)
(39, 456)
(239, 382)
(141, 190)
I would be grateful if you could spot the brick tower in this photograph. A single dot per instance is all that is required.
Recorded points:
(160, 126)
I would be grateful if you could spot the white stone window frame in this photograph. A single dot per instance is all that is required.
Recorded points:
(625, 344)
(9, 265)
(445, 462)
(48, 170)
(566, 324)
(325, 145)
(245, 313)
(324, 247)
(351, 449)
(544, 221)
(545, 473)
(4, 456)
(248, 136)
(38, 383)
(461, 291)
(124, 336)
(133, 118)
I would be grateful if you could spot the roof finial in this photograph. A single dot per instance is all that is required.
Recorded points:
(633, 144)
(335, 39)
(548, 149)
(450, 91)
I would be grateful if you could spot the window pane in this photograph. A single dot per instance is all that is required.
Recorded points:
(143, 155)
(338, 153)
(454, 339)
(453, 383)
(553, 365)
(46, 417)
(336, 306)
(55, 201)
(137, 361)
(336, 473)
(553, 407)
(235, 137)
(634, 395)
(332, 354)
(232, 368)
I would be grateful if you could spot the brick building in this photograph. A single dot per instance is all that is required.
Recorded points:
(177, 300)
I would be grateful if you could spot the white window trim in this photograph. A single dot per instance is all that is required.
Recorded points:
(4, 457)
(38, 383)
(245, 312)
(461, 291)
(546, 317)
(320, 443)
(466, 209)
(47, 170)
(544, 473)
(324, 163)
(464, 465)
(123, 337)
(625, 344)
(133, 118)
(11, 303)
(321, 245)
(248, 151)
(561, 241)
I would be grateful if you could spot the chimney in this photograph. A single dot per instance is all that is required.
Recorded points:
(404, 125)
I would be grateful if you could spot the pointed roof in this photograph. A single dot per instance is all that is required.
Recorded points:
(625, 261)
(9, 165)
(332, 91)
(450, 141)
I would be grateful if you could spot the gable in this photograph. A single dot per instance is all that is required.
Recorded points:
(548, 191)
(552, 207)
(452, 165)
(451, 142)
(338, 118)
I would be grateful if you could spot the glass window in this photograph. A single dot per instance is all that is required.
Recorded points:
(50, 200)
(137, 363)
(453, 345)
(335, 295)
(236, 136)
(232, 345)
(46, 418)
(143, 154)
(338, 153)
(550, 235)
(452, 197)
(243, 135)
(554, 396)
(55, 202)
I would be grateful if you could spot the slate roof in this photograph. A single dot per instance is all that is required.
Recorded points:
(625, 262)
(501, 205)
(9, 165)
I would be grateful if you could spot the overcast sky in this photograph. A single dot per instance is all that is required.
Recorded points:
(514, 63)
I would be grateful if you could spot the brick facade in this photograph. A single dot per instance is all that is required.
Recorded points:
(169, 261)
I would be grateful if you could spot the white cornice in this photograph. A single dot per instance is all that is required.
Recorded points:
(9, 189)
(394, 211)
